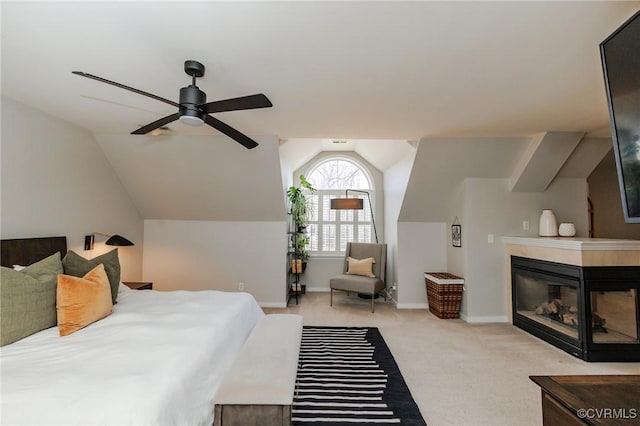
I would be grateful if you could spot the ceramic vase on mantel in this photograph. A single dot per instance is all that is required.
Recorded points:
(567, 229)
(548, 224)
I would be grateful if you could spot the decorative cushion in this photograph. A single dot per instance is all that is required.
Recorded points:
(76, 265)
(362, 267)
(28, 299)
(82, 301)
(45, 270)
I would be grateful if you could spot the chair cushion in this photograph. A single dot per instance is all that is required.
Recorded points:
(356, 283)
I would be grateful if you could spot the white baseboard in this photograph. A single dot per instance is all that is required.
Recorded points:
(412, 306)
(483, 319)
(272, 304)
(318, 289)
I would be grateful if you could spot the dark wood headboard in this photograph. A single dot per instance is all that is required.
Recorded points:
(25, 251)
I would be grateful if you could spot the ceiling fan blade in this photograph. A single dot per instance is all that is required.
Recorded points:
(122, 86)
(244, 102)
(230, 131)
(156, 124)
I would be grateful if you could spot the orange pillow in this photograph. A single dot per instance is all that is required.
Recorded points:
(82, 301)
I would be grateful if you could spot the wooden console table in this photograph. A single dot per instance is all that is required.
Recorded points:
(589, 400)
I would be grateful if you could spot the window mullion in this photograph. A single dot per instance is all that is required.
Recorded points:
(338, 225)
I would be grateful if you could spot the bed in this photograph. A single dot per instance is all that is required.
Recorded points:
(156, 360)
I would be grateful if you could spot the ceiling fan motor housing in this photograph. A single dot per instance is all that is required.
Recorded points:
(190, 98)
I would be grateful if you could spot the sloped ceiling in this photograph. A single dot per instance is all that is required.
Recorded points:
(358, 70)
(398, 71)
(441, 164)
(544, 157)
(198, 177)
(586, 157)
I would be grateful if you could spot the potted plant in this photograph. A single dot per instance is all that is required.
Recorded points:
(300, 207)
(300, 249)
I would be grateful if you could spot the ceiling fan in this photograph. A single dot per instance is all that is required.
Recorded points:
(193, 108)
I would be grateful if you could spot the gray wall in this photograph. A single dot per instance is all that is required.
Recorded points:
(217, 255)
(604, 191)
(57, 181)
(320, 270)
(225, 223)
(490, 208)
(421, 248)
(469, 179)
(456, 256)
(396, 179)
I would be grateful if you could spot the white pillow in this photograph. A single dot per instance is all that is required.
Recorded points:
(123, 290)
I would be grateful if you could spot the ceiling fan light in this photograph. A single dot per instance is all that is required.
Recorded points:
(191, 120)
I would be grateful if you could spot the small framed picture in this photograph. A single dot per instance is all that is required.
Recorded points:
(456, 235)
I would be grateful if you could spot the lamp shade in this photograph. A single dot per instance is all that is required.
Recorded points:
(347, 204)
(118, 240)
(113, 240)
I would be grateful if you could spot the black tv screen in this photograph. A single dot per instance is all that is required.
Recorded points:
(620, 54)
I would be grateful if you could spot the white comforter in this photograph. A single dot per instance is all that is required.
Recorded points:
(156, 360)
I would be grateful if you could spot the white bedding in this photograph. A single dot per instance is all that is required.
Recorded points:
(158, 359)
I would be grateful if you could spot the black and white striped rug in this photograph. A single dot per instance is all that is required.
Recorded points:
(347, 375)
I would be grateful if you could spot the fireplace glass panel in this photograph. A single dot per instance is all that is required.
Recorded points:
(614, 316)
(549, 303)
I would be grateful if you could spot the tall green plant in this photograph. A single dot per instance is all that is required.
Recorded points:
(300, 208)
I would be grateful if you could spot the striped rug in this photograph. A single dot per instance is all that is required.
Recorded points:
(347, 375)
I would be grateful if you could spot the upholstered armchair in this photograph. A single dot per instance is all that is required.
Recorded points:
(360, 274)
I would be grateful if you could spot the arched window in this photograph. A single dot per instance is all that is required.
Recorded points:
(329, 230)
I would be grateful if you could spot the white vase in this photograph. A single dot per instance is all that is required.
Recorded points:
(567, 229)
(548, 224)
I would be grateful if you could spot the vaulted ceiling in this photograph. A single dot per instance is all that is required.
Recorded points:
(359, 70)
(380, 75)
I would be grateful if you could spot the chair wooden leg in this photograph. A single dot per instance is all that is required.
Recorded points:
(373, 300)
(331, 298)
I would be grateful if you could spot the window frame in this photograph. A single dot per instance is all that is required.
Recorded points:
(342, 217)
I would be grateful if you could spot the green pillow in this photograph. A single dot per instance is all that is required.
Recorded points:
(28, 299)
(45, 270)
(78, 266)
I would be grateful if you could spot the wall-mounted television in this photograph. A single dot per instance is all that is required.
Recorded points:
(620, 54)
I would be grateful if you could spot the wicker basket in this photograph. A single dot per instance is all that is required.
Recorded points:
(444, 292)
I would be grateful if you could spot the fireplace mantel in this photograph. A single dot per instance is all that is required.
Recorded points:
(575, 243)
(576, 251)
